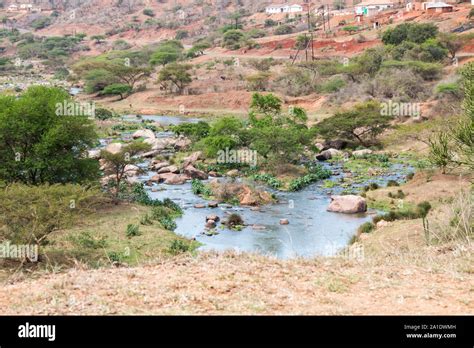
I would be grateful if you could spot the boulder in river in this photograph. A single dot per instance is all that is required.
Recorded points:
(213, 204)
(328, 154)
(194, 173)
(213, 217)
(350, 204)
(210, 224)
(158, 165)
(335, 144)
(173, 179)
(144, 133)
(169, 169)
(284, 222)
(114, 148)
(191, 159)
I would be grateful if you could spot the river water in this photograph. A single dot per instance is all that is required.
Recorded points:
(312, 230)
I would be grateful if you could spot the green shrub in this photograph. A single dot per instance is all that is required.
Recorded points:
(199, 188)
(366, 227)
(268, 179)
(179, 246)
(133, 230)
(392, 183)
(167, 223)
(283, 30)
(86, 240)
(146, 220)
(399, 195)
(28, 214)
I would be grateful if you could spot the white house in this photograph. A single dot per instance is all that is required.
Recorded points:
(283, 9)
(370, 7)
(12, 8)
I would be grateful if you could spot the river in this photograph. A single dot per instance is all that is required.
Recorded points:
(312, 230)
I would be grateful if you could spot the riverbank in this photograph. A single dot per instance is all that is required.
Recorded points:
(397, 273)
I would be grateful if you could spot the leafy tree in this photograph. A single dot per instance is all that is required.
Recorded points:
(279, 138)
(302, 42)
(41, 23)
(148, 12)
(351, 29)
(167, 52)
(176, 75)
(283, 30)
(98, 38)
(414, 32)
(181, 34)
(451, 42)
(39, 146)
(270, 23)
(232, 39)
(119, 89)
(363, 124)
(118, 164)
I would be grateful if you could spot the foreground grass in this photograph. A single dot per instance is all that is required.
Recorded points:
(101, 240)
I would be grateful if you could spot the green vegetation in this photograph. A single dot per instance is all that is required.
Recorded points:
(347, 124)
(168, 51)
(455, 147)
(29, 214)
(38, 145)
(175, 76)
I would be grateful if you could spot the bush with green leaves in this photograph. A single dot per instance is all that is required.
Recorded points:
(317, 173)
(132, 230)
(179, 246)
(199, 188)
(348, 124)
(283, 30)
(39, 146)
(367, 227)
(414, 32)
(194, 131)
(28, 214)
(454, 147)
(168, 51)
(233, 39)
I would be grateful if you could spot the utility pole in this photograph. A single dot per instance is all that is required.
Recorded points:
(329, 18)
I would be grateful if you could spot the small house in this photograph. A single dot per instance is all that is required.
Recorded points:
(437, 7)
(283, 9)
(372, 7)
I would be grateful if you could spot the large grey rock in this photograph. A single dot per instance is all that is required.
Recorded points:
(191, 159)
(328, 154)
(169, 169)
(194, 173)
(349, 204)
(144, 133)
(114, 148)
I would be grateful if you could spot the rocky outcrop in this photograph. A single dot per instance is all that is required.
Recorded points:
(158, 165)
(349, 204)
(192, 159)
